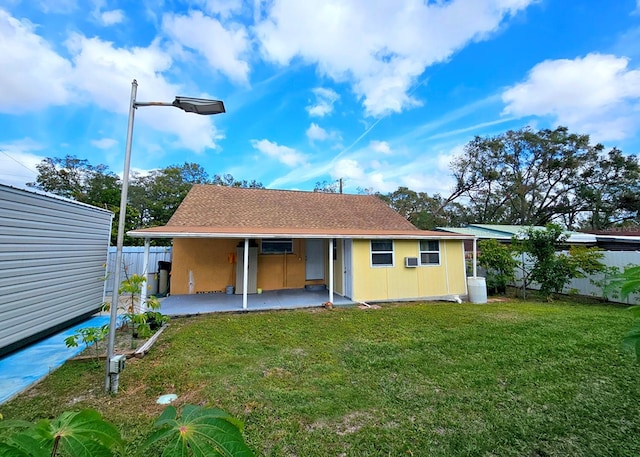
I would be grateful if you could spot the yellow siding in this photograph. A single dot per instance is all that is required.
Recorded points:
(212, 264)
(399, 282)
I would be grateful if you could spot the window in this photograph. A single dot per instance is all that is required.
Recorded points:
(382, 253)
(277, 246)
(429, 252)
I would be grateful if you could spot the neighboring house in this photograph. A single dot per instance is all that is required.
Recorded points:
(605, 240)
(619, 249)
(53, 253)
(354, 245)
(504, 233)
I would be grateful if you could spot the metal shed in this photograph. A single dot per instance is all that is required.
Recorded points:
(53, 253)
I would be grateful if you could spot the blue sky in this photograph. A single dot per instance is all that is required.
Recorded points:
(381, 93)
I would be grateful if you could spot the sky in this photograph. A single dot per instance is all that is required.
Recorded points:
(378, 93)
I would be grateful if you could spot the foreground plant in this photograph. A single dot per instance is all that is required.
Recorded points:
(629, 283)
(199, 432)
(76, 434)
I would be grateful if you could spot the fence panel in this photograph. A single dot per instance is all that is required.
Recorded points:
(584, 286)
(132, 262)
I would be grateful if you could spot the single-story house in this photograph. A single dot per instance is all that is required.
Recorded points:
(353, 245)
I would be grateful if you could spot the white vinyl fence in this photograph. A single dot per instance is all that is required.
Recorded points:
(584, 286)
(133, 260)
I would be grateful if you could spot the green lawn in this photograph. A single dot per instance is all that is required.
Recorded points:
(435, 379)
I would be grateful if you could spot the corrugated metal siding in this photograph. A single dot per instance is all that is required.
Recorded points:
(133, 261)
(53, 254)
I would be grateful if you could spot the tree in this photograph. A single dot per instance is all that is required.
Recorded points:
(550, 269)
(524, 177)
(423, 211)
(77, 179)
(611, 195)
(498, 259)
(229, 180)
(327, 187)
(157, 195)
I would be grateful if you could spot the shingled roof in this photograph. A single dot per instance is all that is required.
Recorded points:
(210, 210)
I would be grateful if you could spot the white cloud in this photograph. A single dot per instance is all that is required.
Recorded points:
(325, 99)
(103, 76)
(378, 46)
(316, 133)
(223, 8)
(284, 154)
(111, 17)
(18, 161)
(104, 143)
(33, 75)
(381, 147)
(223, 48)
(597, 94)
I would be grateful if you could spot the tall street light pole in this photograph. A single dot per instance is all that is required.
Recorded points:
(190, 105)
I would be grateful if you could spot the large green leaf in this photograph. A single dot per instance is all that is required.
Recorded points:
(199, 432)
(23, 445)
(82, 433)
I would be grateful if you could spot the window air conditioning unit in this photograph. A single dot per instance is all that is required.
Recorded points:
(411, 262)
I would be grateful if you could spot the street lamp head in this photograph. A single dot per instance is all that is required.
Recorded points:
(199, 105)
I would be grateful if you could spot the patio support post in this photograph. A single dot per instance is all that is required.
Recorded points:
(331, 270)
(245, 274)
(145, 272)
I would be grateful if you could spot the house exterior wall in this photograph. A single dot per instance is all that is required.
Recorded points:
(53, 254)
(208, 265)
(378, 283)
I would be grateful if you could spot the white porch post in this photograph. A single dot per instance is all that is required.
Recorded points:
(475, 256)
(145, 272)
(245, 274)
(331, 270)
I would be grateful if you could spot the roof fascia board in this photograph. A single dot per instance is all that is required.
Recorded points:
(417, 236)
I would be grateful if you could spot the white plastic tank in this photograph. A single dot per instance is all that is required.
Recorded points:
(477, 287)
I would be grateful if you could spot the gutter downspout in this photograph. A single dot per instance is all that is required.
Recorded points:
(475, 257)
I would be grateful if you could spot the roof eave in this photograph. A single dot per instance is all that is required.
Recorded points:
(265, 235)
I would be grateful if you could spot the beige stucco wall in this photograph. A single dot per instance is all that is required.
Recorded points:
(398, 282)
(209, 265)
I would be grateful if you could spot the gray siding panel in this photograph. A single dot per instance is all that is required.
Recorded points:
(53, 254)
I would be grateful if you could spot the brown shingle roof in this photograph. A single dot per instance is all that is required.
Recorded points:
(209, 209)
(219, 206)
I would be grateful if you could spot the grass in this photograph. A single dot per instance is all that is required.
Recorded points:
(503, 379)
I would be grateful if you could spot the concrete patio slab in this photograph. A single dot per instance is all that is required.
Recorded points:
(186, 305)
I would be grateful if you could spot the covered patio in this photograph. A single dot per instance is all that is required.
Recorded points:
(193, 304)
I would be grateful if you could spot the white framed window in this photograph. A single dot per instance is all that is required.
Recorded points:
(277, 246)
(382, 253)
(429, 252)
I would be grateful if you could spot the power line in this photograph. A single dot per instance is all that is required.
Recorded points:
(18, 162)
